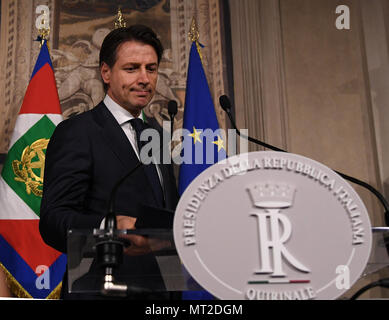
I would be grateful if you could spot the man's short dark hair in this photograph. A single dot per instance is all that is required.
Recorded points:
(137, 32)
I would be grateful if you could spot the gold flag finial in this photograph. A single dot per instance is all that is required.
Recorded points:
(120, 22)
(194, 34)
(43, 35)
(42, 23)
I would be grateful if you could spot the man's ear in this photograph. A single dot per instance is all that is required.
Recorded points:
(105, 72)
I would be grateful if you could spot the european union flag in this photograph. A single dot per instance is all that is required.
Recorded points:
(203, 141)
(203, 144)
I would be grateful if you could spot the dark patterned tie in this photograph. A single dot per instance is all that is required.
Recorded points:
(150, 169)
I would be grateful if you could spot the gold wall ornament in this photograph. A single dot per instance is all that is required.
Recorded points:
(120, 22)
(23, 169)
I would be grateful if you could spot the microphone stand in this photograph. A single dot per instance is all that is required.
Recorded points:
(226, 106)
(110, 249)
(172, 110)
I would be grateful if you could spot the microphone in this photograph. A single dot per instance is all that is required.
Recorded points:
(226, 106)
(225, 103)
(172, 110)
(380, 283)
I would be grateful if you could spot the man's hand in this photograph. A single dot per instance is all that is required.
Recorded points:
(139, 244)
(124, 222)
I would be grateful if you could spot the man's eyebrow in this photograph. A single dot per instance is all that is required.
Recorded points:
(137, 64)
(131, 64)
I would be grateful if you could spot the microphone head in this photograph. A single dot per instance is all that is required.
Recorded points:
(225, 103)
(172, 107)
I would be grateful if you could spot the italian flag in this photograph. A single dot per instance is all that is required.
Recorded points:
(33, 269)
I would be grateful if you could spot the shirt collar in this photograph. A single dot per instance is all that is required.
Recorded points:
(120, 114)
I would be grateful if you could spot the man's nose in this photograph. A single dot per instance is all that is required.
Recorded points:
(143, 77)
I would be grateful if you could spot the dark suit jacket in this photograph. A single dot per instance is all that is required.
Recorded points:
(86, 155)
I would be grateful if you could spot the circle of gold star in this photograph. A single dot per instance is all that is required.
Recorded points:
(219, 143)
(195, 135)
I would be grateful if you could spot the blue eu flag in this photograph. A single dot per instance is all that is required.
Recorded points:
(203, 142)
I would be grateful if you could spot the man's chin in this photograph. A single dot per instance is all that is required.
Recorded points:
(142, 102)
(135, 110)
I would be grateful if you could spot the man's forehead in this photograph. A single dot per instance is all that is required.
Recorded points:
(133, 48)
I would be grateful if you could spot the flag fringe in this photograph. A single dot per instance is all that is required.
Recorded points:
(18, 291)
(15, 287)
(55, 294)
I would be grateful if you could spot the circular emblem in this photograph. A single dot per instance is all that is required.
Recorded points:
(30, 168)
(272, 226)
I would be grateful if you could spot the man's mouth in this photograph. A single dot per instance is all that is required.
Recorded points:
(141, 92)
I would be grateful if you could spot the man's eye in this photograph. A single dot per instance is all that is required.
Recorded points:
(152, 70)
(130, 69)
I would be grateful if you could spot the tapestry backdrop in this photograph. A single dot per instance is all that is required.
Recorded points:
(78, 28)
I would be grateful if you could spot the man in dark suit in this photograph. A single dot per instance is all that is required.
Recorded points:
(89, 153)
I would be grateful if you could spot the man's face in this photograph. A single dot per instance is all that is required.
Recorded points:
(133, 77)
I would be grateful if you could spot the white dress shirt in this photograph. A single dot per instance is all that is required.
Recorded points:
(123, 117)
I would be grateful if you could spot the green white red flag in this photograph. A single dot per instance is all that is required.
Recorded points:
(33, 269)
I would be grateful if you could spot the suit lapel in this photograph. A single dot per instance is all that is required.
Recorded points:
(114, 136)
